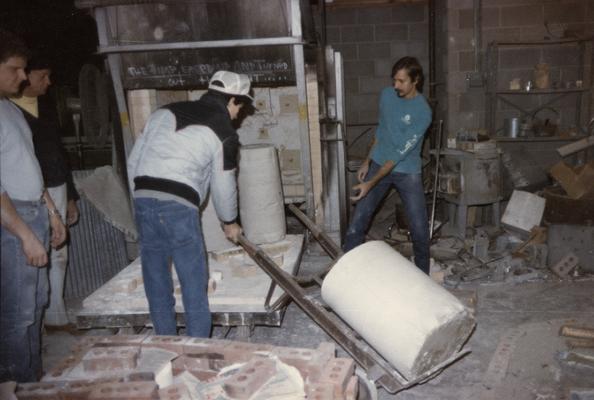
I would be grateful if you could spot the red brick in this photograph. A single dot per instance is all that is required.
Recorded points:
(171, 343)
(352, 389)
(110, 358)
(319, 391)
(125, 391)
(337, 373)
(123, 340)
(38, 391)
(250, 377)
(211, 347)
(202, 368)
(80, 390)
(60, 371)
(175, 392)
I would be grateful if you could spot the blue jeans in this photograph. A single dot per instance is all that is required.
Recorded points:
(23, 296)
(170, 231)
(410, 189)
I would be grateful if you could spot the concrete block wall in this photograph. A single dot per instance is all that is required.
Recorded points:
(514, 20)
(371, 38)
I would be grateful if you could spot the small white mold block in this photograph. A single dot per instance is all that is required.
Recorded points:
(523, 212)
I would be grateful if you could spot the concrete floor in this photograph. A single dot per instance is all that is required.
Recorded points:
(515, 347)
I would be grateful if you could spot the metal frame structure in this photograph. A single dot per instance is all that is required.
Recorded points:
(377, 369)
(494, 94)
(114, 51)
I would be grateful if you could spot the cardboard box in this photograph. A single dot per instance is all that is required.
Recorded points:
(578, 182)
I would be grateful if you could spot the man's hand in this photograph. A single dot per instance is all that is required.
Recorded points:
(58, 231)
(72, 213)
(362, 171)
(34, 251)
(232, 231)
(363, 189)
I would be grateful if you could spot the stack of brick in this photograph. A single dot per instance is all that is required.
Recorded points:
(115, 368)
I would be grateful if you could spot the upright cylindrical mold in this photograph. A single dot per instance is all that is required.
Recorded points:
(261, 202)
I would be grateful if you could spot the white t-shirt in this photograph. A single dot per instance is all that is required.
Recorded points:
(20, 175)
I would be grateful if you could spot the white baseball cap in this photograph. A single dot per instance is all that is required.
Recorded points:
(233, 84)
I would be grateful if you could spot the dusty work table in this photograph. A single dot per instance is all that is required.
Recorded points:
(240, 293)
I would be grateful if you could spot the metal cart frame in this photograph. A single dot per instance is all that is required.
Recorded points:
(378, 370)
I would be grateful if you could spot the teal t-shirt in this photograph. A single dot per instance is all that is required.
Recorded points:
(402, 126)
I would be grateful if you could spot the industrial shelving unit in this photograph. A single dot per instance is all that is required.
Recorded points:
(495, 94)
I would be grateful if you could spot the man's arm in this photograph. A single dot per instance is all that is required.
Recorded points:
(365, 187)
(34, 250)
(58, 229)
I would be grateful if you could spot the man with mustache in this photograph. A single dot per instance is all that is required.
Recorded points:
(395, 160)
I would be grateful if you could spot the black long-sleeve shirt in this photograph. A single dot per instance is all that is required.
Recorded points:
(49, 149)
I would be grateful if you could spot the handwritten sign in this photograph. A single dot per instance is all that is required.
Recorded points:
(266, 66)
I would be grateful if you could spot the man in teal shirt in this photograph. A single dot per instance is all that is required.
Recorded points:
(395, 159)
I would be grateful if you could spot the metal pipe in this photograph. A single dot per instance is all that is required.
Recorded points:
(82, 4)
(432, 30)
(325, 241)
(209, 44)
(436, 178)
(477, 34)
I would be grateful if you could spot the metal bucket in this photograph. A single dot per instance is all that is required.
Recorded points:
(511, 127)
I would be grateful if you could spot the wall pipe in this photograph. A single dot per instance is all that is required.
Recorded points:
(477, 22)
(432, 35)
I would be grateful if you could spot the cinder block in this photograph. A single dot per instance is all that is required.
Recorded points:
(373, 84)
(391, 32)
(365, 102)
(250, 377)
(471, 101)
(332, 34)
(372, 51)
(337, 373)
(489, 18)
(565, 265)
(125, 391)
(171, 343)
(373, 15)
(524, 15)
(465, 61)
(341, 16)
(357, 68)
(348, 51)
(110, 358)
(564, 13)
(418, 31)
(38, 391)
(408, 13)
(356, 33)
(515, 58)
(175, 392)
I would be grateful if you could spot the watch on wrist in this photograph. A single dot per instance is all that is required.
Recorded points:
(52, 212)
